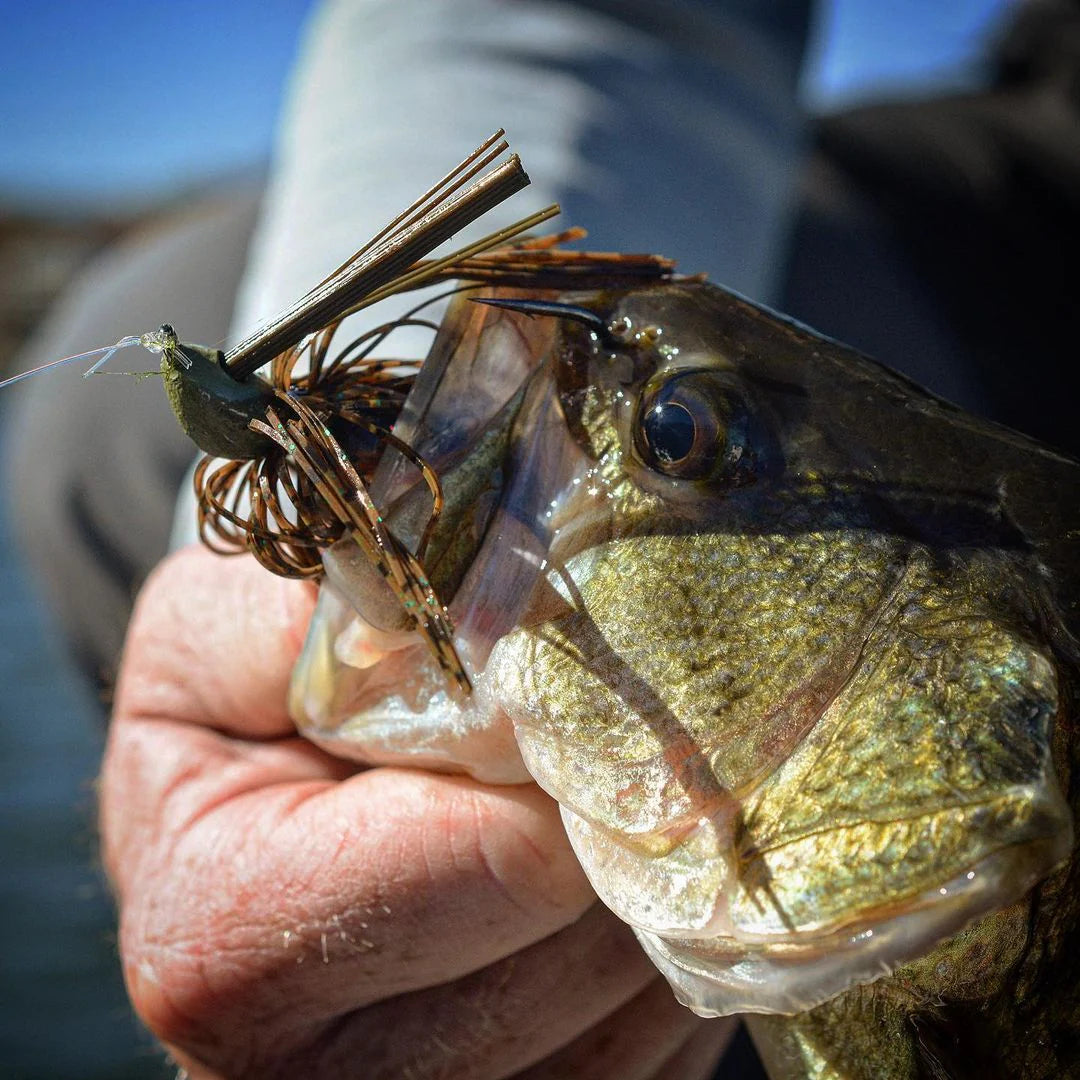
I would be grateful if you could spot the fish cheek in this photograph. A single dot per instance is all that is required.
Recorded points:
(931, 769)
(683, 667)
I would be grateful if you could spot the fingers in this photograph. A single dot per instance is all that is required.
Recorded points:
(212, 642)
(277, 909)
(636, 1042)
(281, 910)
(210, 649)
(497, 1021)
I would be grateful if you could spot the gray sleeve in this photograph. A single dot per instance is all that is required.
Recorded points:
(666, 128)
(678, 134)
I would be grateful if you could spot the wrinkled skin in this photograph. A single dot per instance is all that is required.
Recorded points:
(286, 914)
(804, 691)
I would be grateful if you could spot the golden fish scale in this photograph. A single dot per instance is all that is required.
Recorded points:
(648, 664)
(941, 713)
(781, 715)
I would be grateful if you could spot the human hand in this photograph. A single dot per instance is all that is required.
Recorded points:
(284, 913)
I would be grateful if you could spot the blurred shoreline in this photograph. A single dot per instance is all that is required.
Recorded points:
(40, 252)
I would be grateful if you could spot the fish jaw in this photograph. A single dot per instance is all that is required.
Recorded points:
(859, 721)
(386, 703)
(364, 687)
(720, 978)
(922, 796)
(378, 697)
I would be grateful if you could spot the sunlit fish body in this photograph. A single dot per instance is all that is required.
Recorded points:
(792, 643)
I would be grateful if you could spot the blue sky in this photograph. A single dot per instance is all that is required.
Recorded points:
(865, 47)
(104, 102)
(115, 98)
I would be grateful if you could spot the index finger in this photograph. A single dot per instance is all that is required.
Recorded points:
(212, 642)
(237, 858)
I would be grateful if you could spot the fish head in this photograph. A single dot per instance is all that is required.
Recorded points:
(751, 608)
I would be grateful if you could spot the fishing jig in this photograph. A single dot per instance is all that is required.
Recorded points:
(288, 456)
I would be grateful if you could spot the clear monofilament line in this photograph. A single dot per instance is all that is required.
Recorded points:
(105, 353)
(156, 341)
(123, 343)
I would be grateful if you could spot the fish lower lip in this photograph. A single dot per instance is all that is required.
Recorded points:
(806, 970)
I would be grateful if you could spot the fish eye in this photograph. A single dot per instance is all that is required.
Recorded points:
(692, 426)
(669, 431)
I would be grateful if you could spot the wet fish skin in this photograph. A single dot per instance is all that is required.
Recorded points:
(923, 477)
(982, 503)
(790, 701)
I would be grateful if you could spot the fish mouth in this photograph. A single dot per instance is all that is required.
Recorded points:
(722, 976)
(821, 879)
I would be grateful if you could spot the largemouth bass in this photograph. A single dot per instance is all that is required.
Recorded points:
(791, 641)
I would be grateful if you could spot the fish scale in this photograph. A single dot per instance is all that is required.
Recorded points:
(809, 720)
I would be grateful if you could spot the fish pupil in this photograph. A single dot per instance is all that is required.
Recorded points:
(670, 431)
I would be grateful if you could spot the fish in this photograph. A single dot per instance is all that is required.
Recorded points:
(792, 642)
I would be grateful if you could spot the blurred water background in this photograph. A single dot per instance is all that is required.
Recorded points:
(110, 113)
(63, 1013)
